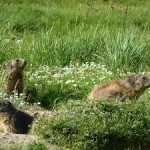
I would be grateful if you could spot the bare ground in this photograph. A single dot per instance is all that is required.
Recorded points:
(41, 114)
(10, 140)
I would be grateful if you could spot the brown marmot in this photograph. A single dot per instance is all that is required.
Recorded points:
(130, 88)
(13, 120)
(13, 78)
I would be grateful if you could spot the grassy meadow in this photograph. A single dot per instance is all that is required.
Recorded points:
(71, 45)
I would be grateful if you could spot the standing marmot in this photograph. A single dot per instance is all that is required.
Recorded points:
(130, 88)
(13, 81)
(13, 120)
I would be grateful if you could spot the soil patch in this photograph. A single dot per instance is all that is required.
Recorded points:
(9, 140)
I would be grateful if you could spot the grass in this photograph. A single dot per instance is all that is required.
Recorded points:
(36, 146)
(98, 125)
(62, 34)
(70, 46)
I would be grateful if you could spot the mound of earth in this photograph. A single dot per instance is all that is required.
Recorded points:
(8, 140)
(41, 114)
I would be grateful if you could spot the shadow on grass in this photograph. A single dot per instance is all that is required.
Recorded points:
(52, 96)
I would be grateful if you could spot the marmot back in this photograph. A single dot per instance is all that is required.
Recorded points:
(130, 88)
(13, 78)
(13, 120)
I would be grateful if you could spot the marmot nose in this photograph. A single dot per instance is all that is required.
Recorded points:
(17, 60)
(25, 63)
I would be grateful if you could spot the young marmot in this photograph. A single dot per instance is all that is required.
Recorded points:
(13, 120)
(130, 88)
(13, 80)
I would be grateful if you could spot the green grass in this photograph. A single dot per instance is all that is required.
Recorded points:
(36, 146)
(62, 33)
(98, 125)
(50, 86)
(70, 46)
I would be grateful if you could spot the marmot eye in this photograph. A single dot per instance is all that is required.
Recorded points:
(144, 78)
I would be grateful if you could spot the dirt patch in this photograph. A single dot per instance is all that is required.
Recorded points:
(41, 114)
(21, 141)
(9, 140)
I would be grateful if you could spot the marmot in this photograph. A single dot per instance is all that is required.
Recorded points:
(13, 78)
(130, 88)
(13, 120)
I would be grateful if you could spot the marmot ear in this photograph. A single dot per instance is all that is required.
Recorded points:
(131, 79)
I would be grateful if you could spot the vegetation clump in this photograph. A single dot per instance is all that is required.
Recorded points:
(99, 125)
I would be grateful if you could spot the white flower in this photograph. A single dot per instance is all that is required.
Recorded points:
(102, 78)
(69, 81)
(19, 41)
(56, 75)
(75, 85)
(38, 77)
(38, 103)
(21, 103)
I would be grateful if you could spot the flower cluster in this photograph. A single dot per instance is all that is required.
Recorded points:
(73, 75)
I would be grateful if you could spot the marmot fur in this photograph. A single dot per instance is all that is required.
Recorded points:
(130, 88)
(13, 120)
(13, 78)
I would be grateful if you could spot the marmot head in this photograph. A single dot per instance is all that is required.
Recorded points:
(17, 64)
(6, 107)
(139, 81)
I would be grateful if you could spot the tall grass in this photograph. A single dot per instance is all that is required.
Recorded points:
(89, 31)
(124, 50)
